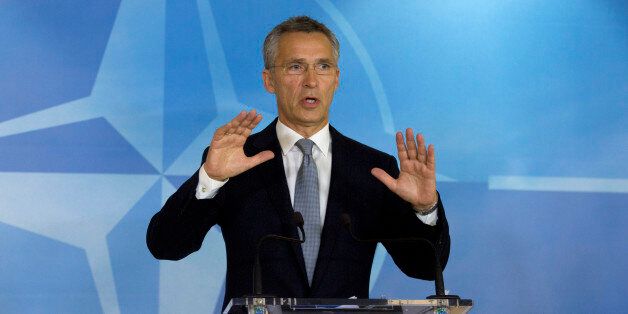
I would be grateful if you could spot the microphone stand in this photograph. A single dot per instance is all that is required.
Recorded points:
(439, 284)
(297, 218)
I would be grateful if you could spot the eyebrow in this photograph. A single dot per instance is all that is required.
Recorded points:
(302, 60)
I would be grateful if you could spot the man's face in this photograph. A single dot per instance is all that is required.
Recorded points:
(303, 101)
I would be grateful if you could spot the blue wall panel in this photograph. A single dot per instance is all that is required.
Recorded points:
(106, 107)
(51, 51)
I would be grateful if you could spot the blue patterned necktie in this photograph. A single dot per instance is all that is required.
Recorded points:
(306, 201)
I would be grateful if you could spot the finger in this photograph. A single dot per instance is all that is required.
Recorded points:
(260, 158)
(251, 121)
(242, 121)
(232, 126)
(225, 127)
(256, 121)
(245, 126)
(401, 147)
(411, 144)
(252, 126)
(421, 147)
(250, 117)
(230, 129)
(431, 158)
(239, 130)
(222, 131)
(385, 178)
(237, 120)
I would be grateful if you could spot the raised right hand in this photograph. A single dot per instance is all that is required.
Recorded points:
(226, 157)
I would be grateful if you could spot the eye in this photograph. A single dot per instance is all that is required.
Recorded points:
(323, 66)
(295, 67)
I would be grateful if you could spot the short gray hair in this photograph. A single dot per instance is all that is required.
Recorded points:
(304, 24)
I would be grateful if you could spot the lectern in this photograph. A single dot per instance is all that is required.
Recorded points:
(271, 305)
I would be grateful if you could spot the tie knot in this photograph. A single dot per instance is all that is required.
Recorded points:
(305, 145)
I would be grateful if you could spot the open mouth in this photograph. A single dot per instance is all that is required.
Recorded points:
(310, 101)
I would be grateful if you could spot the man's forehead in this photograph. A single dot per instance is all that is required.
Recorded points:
(304, 60)
(302, 42)
(304, 47)
(302, 34)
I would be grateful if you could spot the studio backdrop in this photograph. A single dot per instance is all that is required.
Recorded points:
(106, 107)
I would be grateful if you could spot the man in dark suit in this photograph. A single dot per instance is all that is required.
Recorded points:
(250, 185)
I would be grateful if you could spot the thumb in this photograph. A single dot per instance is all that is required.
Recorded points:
(385, 178)
(260, 157)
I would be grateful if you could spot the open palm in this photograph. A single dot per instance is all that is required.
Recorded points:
(416, 183)
(226, 157)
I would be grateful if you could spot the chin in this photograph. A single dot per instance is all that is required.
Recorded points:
(313, 119)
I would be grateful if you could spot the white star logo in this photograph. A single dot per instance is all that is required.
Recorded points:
(129, 94)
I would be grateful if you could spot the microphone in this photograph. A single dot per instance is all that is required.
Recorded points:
(439, 284)
(297, 219)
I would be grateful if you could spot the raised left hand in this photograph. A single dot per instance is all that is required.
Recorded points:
(417, 180)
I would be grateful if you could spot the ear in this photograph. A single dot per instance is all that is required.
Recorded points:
(269, 84)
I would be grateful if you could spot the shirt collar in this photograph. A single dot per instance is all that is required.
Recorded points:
(288, 137)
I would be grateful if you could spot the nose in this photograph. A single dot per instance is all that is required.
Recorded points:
(310, 78)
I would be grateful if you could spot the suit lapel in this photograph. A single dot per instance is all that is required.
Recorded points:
(332, 224)
(277, 188)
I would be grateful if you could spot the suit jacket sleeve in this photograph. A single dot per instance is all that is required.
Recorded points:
(179, 228)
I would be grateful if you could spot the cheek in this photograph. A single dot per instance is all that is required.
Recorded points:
(289, 89)
(331, 91)
(292, 94)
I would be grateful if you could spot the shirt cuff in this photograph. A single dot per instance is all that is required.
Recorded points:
(429, 219)
(207, 187)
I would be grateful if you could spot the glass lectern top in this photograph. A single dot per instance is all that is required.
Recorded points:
(269, 305)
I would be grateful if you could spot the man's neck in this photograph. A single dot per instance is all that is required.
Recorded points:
(305, 131)
(288, 137)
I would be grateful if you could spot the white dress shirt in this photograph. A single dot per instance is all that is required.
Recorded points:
(292, 157)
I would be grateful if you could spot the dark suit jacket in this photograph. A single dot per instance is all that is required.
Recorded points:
(257, 202)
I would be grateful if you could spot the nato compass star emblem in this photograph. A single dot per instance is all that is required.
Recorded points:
(98, 200)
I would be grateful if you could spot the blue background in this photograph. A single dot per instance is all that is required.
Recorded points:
(106, 106)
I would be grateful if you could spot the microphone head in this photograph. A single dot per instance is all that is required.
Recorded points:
(345, 219)
(297, 218)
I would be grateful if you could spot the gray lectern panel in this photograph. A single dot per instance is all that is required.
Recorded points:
(317, 306)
